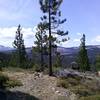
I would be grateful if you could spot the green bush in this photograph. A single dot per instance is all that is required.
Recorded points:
(82, 91)
(0, 68)
(46, 71)
(67, 82)
(13, 83)
(81, 88)
(37, 67)
(3, 80)
(73, 81)
(63, 83)
(94, 97)
(98, 62)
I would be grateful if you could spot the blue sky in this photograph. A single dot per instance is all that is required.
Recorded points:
(83, 16)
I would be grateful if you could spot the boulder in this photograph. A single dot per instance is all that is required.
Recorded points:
(98, 73)
(67, 73)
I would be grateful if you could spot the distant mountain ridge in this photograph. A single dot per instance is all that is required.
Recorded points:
(71, 50)
(69, 54)
(62, 50)
(4, 49)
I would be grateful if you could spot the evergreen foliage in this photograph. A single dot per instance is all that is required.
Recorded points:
(41, 39)
(4, 60)
(51, 24)
(20, 53)
(98, 62)
(58, 60)
(83, 56)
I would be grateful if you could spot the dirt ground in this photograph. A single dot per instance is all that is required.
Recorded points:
(37, 86)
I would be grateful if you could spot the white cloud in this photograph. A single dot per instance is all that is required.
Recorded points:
(96, 39)
(79, 34)
(76, 40)
(7, 36)
(71, 43)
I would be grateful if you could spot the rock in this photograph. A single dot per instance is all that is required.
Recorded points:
(36, 75)
(41, 75)
(53, 88)
(57, 92)
(67, 73)
(98, 73)
(75, 73)
(74, 65)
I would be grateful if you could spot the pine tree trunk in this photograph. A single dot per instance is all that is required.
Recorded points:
(50, 47)
(42, 60)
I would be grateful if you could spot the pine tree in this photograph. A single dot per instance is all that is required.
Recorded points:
(52, 23)
(98, 62)
(20, 48)
(58, 62)
(83, 56)
(40, 40)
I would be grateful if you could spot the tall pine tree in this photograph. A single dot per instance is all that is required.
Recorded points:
(40, 43)
(52, 23)
(20, 48)
(98, 62)
(83, 56)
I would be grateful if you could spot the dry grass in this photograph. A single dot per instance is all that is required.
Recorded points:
(82, 88)
(6, 82)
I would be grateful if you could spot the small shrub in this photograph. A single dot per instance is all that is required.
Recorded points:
(62, 98)
(62, 83)
(0, 68)
(67, 82)
(94, 97)
(46, 71)
(56, 69)
(82, 90)
(13, 83)
(92, 85)
(78, 78)
(73, 81)
(3, 80)
(37, 68)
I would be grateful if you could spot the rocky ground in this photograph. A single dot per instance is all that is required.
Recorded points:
(41, 87)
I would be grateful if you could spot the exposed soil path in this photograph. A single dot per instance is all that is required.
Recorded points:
(42, 87)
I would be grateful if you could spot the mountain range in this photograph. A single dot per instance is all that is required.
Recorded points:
(69, 54)
(4, 49)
